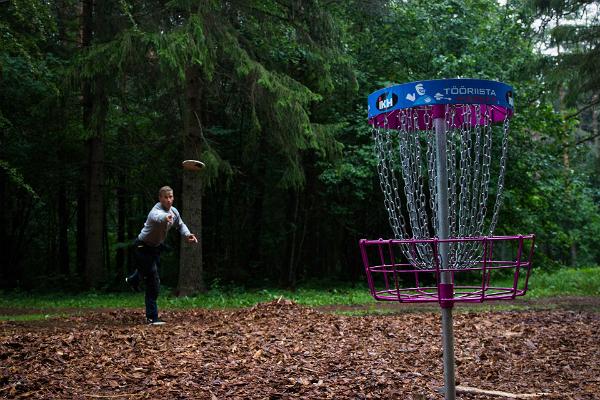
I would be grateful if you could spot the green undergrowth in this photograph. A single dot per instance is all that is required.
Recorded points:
(565, 282)
(232, 297)
(31, 317)
(562, 282)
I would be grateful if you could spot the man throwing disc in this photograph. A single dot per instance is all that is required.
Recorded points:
(150, 243)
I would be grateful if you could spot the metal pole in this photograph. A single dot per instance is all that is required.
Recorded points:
(439, 123)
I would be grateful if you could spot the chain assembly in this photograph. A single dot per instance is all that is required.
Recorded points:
(407, 174)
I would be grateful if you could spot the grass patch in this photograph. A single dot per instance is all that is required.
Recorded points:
(308, 296)
(563, 282)
(29, 317)
(64, 300)
(568, 282)
(219, 298)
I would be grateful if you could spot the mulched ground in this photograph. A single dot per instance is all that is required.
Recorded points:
(280, 350)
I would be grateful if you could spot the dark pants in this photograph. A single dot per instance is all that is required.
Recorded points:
(148, 261)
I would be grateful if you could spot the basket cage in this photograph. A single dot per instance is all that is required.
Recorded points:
(397, 271)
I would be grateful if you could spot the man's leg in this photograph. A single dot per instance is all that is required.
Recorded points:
(152, 289)
(142, 262)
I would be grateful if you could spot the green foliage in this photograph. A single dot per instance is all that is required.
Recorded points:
(562, 282)
(571, 28)
(291, 180)
(24, 25)
(418, 40)
(17, 179)
(217, 297)
(583, 281)
(30, 317)
(545, 196)
(183, 47)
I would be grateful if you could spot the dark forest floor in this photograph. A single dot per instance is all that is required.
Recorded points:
(280, 350)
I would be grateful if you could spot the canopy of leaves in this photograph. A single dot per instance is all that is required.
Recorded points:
(291, 181)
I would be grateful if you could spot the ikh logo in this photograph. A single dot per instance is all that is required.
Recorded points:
(386, 100)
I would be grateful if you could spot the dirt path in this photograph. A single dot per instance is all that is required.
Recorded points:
(285, 351)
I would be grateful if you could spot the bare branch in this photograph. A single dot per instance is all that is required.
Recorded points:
(582, 109)
(585, 139)
(466, 389)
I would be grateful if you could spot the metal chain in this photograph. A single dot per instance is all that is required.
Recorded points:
(407, 166)
(450, 118)
(502, 172)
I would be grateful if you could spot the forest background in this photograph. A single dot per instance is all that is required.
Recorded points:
(101, 101)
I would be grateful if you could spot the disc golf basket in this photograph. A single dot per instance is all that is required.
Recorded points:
(434, 142)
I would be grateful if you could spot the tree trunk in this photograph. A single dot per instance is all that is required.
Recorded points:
(18, 227)
(121, 212)
(291, 270)
(95, 108)
(63, 231)
(190, 264)
(81, 228)
(130, 205)
(94, 256)
(5, 237)
(595, 114)
(85, 39)
(106, 244)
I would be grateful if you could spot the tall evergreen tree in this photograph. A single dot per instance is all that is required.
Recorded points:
(572, 29)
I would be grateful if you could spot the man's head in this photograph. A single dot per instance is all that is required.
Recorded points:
(165, 196)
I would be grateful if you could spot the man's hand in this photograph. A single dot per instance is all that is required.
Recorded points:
(191, 238)
(169, 218)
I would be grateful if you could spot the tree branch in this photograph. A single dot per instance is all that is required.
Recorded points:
(590, 105)
(586, 139)
(201, 130)
(466, 389)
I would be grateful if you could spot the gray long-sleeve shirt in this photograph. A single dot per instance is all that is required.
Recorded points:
(156, 227)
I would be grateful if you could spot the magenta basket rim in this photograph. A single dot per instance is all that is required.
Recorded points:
(394, 272)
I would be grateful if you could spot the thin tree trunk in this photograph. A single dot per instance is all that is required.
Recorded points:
(122, 192)
(566, 165)
(85, 38)
(254, 253)
(94, 123)
(94, 256)
(121, 212)
(595, 115)
(130, 206)
(190, 264)
(5, 237)
(291, 276)
(20, 224)
(299, 258)
(81, 228)
(63, 231)
(51, 265)
(106, 245)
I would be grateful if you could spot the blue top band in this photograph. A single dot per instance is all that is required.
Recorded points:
(441, 91)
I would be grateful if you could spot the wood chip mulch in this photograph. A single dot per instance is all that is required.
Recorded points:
(281, 350)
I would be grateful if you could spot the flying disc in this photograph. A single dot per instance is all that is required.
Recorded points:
(192, 165)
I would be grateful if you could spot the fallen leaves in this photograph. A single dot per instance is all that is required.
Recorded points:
(280, 350)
